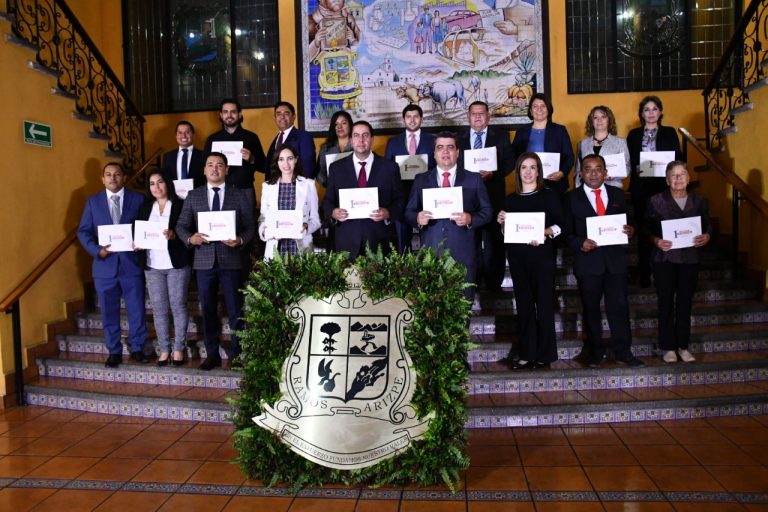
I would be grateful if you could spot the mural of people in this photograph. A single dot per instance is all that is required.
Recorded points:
(426, 22)
(418, 38)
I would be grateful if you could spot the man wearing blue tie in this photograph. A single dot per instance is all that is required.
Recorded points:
(186, 162)
(115, 274)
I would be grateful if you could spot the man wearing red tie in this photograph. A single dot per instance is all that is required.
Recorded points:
(459, 233)
(600, 271)
(301, 141)
(364, 169)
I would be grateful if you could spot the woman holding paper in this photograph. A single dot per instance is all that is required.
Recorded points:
(532, 266)
(544, 136)
(602, 140)
(651, 136)
(339, 140)
(287, 189)
(167, 270)
(675, 270)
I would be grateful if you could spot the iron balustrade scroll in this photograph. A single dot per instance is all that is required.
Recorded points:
(743, 65)
(64, 47)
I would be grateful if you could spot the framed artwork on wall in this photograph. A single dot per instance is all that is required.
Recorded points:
(373, 57)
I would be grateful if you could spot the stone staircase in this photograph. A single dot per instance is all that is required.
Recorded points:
(730, 376)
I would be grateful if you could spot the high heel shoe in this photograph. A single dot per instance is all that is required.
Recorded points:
(164, 362)
(179, 362)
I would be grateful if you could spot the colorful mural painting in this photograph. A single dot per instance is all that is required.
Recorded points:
(373, 57)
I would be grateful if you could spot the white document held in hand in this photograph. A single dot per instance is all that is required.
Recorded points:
(443, 202)
(411, 165)
(329, 159)
(550, 163)
(523, 227)
(217, 226)
(183, 187)
(653, 164)
(681, 231)
(149, 235)
(483, 159)
(285, 224)
(616, 165)
(230, 149)
(118, 237)
(359, 202)
(607, 229)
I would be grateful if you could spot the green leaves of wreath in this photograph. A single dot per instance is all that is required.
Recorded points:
(437, 342)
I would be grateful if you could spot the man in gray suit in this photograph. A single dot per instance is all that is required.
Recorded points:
(218, 263)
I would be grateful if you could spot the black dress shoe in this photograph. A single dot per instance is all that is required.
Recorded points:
(210, 363)
(538, 365)
(594, 361)
(517, 365)
(139, 357)
(630, 361)
(114, 360)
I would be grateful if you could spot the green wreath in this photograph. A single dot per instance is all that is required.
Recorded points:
(437, 342)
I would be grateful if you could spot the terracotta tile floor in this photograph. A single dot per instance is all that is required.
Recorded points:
(67, 460)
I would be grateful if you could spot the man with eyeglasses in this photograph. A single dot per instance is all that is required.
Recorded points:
(364, 169)
(459, 232)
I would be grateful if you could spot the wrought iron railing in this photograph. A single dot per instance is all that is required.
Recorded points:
(741, 67)
(64, 47)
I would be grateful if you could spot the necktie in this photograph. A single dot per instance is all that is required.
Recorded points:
(362, 179)
(446, 181)
(279, 140)
(184, 164)
(216, 201)
(412, 145)
(599, 205)
(478, 141)
(114, 209)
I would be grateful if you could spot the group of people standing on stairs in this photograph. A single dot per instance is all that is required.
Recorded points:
(474, 234)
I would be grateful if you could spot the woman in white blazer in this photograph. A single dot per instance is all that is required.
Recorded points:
(286, 189)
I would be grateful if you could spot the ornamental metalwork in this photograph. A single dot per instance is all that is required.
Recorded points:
(64, 47)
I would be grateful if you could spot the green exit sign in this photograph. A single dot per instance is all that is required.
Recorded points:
(38, 134)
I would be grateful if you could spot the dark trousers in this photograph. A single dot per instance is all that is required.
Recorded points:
(533, 277)
(208, 282)
(404, 236)
(490, 261)
(614, 288)
(675, 286)
(109, 291)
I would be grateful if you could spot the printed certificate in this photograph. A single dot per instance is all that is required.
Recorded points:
(524, 227)
(217, 226)
(681, 231)
(653, 164)
(443, 202)
(607, 229)
(616, 165)
(149, 235)
(411, 165)
(231, 150)
(118, 237)
(329, 159)
(550, 163)
(183, 187)
(359, 202)
(284, 224)
(483, 159)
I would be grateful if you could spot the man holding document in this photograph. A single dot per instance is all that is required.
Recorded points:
(598, 229)
(105, 232)
(447, 205)
(217, 221)
(184, 166)
(364, 197)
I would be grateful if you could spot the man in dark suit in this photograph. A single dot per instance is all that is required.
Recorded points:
(301, 141)
(231, 117)
(217, 262)
(364, 169)
(491, 250)
(458, 234)
(413, 141)
(115, 274)
(187, 161)
(600, 271)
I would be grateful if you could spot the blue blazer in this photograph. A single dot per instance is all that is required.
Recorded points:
(460, 240)
(398, 145)
(96, 214)
(556, 140)
(302, 142)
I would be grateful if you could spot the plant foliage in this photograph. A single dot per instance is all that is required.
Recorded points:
(436, 341)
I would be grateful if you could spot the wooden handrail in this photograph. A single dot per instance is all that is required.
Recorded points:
(54, 255)
(731, 177)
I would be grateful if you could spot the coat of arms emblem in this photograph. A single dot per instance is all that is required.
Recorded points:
(347, 384)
